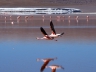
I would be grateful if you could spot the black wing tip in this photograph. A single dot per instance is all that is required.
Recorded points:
(62, 33)
(41, 27)
(43, 31)
(41, 70)
(51, 22)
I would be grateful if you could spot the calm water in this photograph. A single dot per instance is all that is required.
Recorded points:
(19, 49)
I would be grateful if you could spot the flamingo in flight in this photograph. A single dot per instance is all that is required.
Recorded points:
(46, 62)
(46, 36)
(54, 67)
(53, 32)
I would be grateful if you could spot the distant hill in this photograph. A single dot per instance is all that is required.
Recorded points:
(29, 3)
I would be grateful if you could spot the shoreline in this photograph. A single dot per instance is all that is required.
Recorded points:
(84, 8)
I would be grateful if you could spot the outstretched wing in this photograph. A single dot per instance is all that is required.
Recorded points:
(52, 28)
(44, 65)
(43, 31)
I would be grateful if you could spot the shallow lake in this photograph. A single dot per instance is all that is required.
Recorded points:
(19, 48)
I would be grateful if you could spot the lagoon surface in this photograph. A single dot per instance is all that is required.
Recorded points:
(19, 48)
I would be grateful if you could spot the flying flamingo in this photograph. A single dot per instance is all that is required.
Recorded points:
(53, 34)
(54, 67)
(46, 36)
(46, 62)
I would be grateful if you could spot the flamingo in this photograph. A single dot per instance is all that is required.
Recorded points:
(10, 17)
(5, 18)
(54, 67)
(46, 36)
(12, 22)
(69, 17)
(77, 17)
(46, 62)
(53, 34)
(26, 17)
(50, 17)
(58, 17)
(18, 17)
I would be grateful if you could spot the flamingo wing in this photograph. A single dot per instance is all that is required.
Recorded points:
(43, 31)
(52, 28)
(44, 65)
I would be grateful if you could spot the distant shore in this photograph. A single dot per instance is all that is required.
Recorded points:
(84, 5)
(84, 8)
